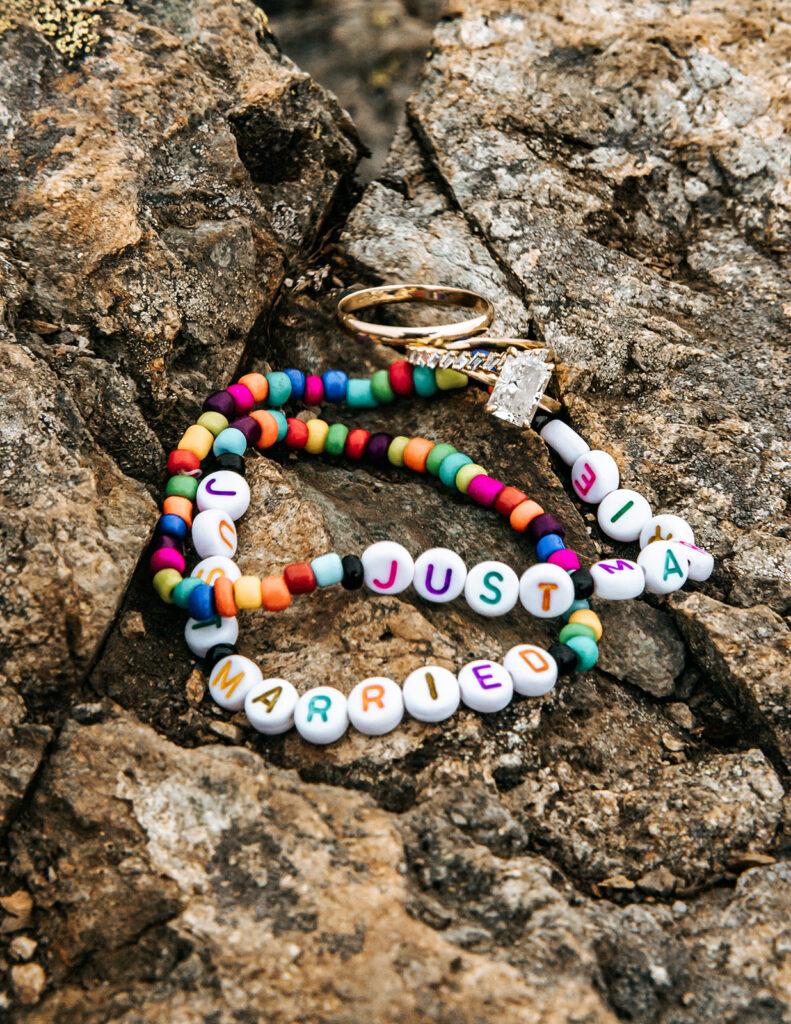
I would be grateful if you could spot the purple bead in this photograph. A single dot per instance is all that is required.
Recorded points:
(173, 543)
(249, 427)
(484, 489)
(222, 403)
(542, 525)
(376, 447)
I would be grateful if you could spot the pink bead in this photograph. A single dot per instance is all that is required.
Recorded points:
(166, 558)
(566, 559)
(484, 489)
(242, 396)
(314, 390)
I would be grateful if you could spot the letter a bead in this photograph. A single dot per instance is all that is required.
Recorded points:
(431, 693)
(388, 567)
(546, 591)
(226, 491)
(622, 514)
(376, 706)
(231, 679)
(439, 575)
(594, 475)
(492, 588)
(665, 565)
(269, 706)
(321, 716)
(485, 686)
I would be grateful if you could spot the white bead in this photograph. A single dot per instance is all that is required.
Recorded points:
(439, 575)
(231, 679)
(202, 636)
(622, 514)
(492, 588)
(665, 565)
(546, 590)
(701, 563)
(213, 533)
(594, 476)
(376, 706)
(388, 567)
(224, 490)
(431, 693)
(211, 569)
(565, 441)
(269, 706)
(320, 715)
(485, 686)
(617, 579)
(666, 527)
(533, 670)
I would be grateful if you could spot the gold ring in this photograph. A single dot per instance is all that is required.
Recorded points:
(437, 295)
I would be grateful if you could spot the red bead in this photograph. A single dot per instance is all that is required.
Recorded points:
(507, 500)
(296, 434)
(400, 374)
(355, 443)
(300, 578)
(184, 463)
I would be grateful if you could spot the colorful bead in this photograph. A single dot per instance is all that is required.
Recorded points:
(353, 572)
(269, 706)
(297, 379)
(359, 394)
(400, 374)
(250, 427)
(565, 558)
(270, 428)
(214, 422)
(201, 603)
(565, 441)
(665, 565)
(617, 579)
(508, 499)
(575, 629)
(181, 592)
(197, 440)
(335, 383)
(215, 567)
(231, 679)
(388, 567)
(328, 569)
(543, 525)
(575, 606)
(380, 387)
(377, 447)
(243, 400)
(230, 440)
(355, 443)
(297, 433)
(182, 486)
(247, 592)
(317, 435)
(523, 515)
(431, 693)
(549, 545)
(321, 716)
(436, 456)
(299, 578)
(201, 635)
(314, 391)
(173, 543)
(449, 380)
(375, 706)
(279, 389)
(484, 489)
(275, 594)
(586, 617)
(335, 442)
(623, 514)
(439, 575)
(224, 599)
(466, 475)
(395, 453)
(213, 533)
(166, 558)
(221, 402)
(485, 686)
(226, 491)
(666, 527)
(491, 588)
(565, 658)
(534, 671)
(165, 581)
(256, 384)
(595, 475)
(171, 526)
(586, 651)
(583, 584)
(416, 454)
(450, 466)
(424, 381)
(546, 591)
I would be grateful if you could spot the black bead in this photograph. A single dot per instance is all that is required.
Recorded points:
(216, 653)
(565, 658)
(583, 584)
(353, 572)
(232, 461)
(540, 420)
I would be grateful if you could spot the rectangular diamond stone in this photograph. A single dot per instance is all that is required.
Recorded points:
(520, 386)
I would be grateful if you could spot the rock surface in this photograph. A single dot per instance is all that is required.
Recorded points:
(178, 206)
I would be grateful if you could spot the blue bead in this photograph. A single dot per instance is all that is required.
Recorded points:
(359, 394)
(327, 569)
(548, 545)
(200, 603)
(450, 466)
(576, 606)
(335, 383)
(172, 526)
(282, 424)
(297, 378)
(181, 592)
(425, 381)
(230, 440)
(279, 389)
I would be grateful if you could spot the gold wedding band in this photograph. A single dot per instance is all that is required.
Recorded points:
(438, 295)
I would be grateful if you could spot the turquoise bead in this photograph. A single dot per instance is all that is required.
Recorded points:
(450, 467)
(359, 394)
(180, 595)
(437, 456)
(282, 425)
(279, 388)
(576, 606)
(230, 440)
(425, 381)
(327, 569)
(587, 651)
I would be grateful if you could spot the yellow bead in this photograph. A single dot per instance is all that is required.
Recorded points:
(247, 592)
(586, 617)
(197, 439)
(466, 475)
(165, 582)
(213, 421)
(317, 435)
(447, 380)
(395, 453)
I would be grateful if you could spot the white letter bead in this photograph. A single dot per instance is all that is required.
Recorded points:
(231, 679)
(439, 575)
(492, 588)
(485, 686)
(202, 636)
(431, 694)
(546, 590)
(224, 490)
(594, 476)
(376, 706)
(565, 441)
(533, 670)
(211, 569)
(269, 706)
(213, 533)
(666, 527)
(388, 568)
(665, 565)
(701, 563)
(321, 716)
(623, 513)
(617, 579)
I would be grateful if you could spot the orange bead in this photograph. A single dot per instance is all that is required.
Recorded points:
(524, 514)
(223, 597)
(416, 453)
(181, 507)
(257, 384)
(269, 428)
(275, 595)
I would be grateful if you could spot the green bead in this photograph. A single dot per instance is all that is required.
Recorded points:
(576, 606)
(335, 441)
(575, 629)
(279, 389)
(395, 453)
(437, 454)
(214, 422)
(447, 380)
(587, 652)
(380, 386)
(466, 475)
(450, 466)
(181, 592)
(359, 394)
(182, 487)
(425, 381)
(165, 582)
